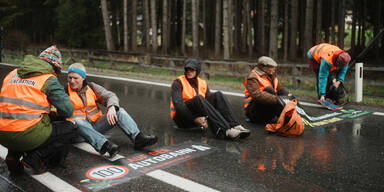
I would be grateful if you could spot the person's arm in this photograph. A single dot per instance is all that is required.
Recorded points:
(323, 77)
(105, 97)
(58, 98)
(257, 95)
(177, 99)
(342, 74)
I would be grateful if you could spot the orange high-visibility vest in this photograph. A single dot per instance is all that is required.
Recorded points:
(325, 51)
(189, 92)
(22, 103)
(263, 83)
(89, 111)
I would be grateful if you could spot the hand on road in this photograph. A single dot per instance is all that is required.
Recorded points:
(202, 121)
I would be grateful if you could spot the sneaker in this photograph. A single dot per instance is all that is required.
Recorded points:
(244, 133)
(233, 133)
(109, 147)
(142, 140)
(33, 161)
(14, 165)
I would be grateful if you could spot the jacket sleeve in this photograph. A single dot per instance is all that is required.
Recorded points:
(104, 97)
(342, 74)
(58, 98)
(257, 95)
(177, 99)
(323, 77)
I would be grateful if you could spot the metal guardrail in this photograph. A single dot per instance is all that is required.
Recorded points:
(234, 68)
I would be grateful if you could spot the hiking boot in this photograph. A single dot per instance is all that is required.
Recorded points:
(33, 161)
(142, 140)
(244, 133)
(109, 147)
(14, 165)
(233, 133)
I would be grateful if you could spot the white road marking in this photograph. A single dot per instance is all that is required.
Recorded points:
(378, 113)
(179, 182)
(48, 179)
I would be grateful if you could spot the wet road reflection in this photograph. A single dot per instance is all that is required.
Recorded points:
(348, 156)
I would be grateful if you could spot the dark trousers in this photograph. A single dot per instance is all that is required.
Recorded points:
(55, 149)
(331, 92)
(264, 113)
(216, 108)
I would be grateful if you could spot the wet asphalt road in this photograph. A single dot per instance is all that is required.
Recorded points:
(347, 156)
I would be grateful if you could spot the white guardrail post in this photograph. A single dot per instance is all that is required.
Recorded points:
(359, 82)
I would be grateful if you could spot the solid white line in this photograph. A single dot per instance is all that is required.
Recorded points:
(378, 113)
(179, 182)
(49, 180)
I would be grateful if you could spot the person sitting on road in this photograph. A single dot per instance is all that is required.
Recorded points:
(262, 87)
(26, 126)
(89, 118)
(193, 104)
(330, 63)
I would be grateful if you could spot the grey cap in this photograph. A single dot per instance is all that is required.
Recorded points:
(267, 61)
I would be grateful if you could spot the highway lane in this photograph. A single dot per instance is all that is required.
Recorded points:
(344, 156)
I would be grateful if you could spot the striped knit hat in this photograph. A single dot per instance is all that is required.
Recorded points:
(52, 55)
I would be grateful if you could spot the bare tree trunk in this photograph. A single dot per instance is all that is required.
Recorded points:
(354, 21)
(218, 28)
(195, 28)
(154, 26)
(318, 21)
(293, 33)
(260, 38)
(286, 28)
(125, 20)
(244, 32)
(237, 24)
(225, 29)
(205, 28)
(230, 24)
(249, 28)
(341, 21)
(134, 26)
(333, 30)
(183, 30)
(308, 26)
(273, 30)
(147, 24)
(164, 33)
(107, 27)
(363, 19)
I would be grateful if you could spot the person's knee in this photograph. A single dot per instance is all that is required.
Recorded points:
(283, 91)
(270, 90)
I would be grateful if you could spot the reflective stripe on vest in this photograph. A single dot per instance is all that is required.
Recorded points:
(324, 51)
(90, 111)
(188, 91)
(263, 83)
(22, 103)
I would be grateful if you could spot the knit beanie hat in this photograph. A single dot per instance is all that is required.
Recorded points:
(194, 64)
(343, 59)
(52, 55)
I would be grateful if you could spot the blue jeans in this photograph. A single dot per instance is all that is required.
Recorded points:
(93, 132)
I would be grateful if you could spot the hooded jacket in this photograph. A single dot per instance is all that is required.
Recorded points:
(40, 132)
(177, 91)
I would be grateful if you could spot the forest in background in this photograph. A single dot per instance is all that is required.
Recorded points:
(225, 29)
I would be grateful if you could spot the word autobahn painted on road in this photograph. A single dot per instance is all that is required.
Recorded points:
(122, 170)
